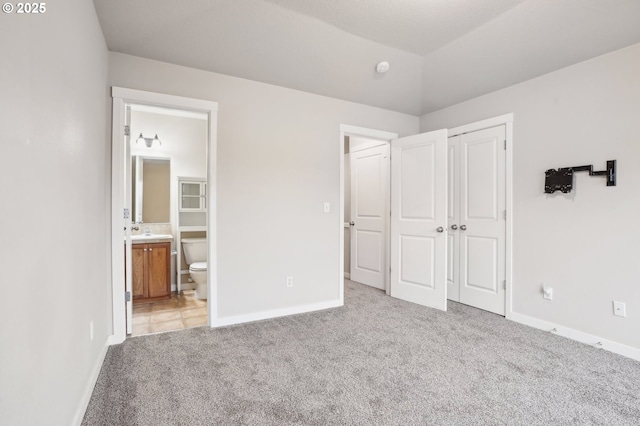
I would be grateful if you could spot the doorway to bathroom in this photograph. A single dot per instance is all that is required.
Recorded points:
(160, 142)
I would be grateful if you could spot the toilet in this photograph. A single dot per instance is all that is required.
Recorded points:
(195, 253)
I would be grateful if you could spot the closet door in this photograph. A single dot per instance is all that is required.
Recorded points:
(453, 219)
(419, 218)
(481, 230)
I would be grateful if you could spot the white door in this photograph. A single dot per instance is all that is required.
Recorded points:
(481, 226)
(369, 213)
(419, 218)
(128, 264)
(453, 236)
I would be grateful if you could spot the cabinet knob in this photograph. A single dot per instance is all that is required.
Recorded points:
(150, 249)
(145, 249)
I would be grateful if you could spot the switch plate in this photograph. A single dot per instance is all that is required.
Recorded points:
(327, 207)
(547, 292)
(289, 282)
(619, 309)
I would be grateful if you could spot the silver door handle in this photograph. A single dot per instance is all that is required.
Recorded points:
(454, 227)
(440, 229)
(352, 223)
(463, 227)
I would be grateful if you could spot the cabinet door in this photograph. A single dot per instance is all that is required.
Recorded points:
(159, 269)
(139, 268)
(191, 196)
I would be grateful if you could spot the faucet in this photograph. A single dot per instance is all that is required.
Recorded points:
(147, 230)
(134, 227)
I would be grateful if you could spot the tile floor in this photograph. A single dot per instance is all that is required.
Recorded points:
(180, 312)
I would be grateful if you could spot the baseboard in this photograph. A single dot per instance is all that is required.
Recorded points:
(589, 339)
(347, 275)
(258, 316)
(91, 383)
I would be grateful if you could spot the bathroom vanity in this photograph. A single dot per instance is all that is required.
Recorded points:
(151, 270)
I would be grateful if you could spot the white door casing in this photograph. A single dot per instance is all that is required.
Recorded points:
(481, 222)
(369, 215)
(419, 218)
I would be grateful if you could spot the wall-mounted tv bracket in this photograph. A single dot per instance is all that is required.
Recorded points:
(562, 179)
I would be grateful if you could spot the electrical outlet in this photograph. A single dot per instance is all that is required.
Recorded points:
(289, 282)
(547, 292)
(619, 309)
(91, 331)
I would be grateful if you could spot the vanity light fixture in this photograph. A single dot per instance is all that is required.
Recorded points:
(148, 141)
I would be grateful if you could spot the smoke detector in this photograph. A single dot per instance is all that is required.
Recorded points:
(382, 67)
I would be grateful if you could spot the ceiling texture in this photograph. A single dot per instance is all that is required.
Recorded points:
(441, 51)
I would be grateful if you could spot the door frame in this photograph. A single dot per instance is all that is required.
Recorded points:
(348, 130)
(507, 121)
(122, 97)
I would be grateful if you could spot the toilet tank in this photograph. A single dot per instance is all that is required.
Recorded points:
(195, 249)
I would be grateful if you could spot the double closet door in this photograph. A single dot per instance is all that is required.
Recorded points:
(476, 222)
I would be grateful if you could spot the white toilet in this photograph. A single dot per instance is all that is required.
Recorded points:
(195, 253)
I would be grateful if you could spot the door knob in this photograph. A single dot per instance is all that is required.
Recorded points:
(440, 229)
(454, 227)
(463, 227)
(352, 223)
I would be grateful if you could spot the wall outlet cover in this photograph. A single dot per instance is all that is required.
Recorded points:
(619, 309)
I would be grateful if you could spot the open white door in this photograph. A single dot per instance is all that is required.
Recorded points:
(369, 215)
(128, 221)
(482, 222)
(419, 219)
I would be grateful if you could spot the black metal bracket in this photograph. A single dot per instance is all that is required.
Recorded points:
(562, 179)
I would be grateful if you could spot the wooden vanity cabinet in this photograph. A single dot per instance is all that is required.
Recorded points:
(151, 272)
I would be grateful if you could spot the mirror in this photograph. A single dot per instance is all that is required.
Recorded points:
(150, 192)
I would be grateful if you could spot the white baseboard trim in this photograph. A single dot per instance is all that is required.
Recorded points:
(91, 383)
(347, 275)
(275, 313)
(589, 339)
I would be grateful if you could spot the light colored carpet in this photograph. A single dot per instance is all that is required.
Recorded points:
(377, 360)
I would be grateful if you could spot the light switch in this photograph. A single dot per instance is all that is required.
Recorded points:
(327, 207)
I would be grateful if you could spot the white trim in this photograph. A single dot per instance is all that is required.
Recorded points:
(507, 121)
(91, 383)
(579, 336)
(275, 313)
(122, 97)
(161, 99)
(348, 130)
(482, 124)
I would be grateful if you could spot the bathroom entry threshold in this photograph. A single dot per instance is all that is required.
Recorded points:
(178, 313)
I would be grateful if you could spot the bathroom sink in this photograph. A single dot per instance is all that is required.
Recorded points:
(151, 238)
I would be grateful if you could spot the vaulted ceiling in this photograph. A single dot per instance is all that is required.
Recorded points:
(441, 51)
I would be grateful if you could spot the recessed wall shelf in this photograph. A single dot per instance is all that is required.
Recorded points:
(562, 179)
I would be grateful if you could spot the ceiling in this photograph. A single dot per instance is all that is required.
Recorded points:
(441, 51)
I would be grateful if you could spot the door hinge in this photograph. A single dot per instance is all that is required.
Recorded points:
(126, 213)
(127, 130)
(504, 284)
(127, 296)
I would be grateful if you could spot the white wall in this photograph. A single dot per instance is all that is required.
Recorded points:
(54, 159)
(278, 162)
(584, 244)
